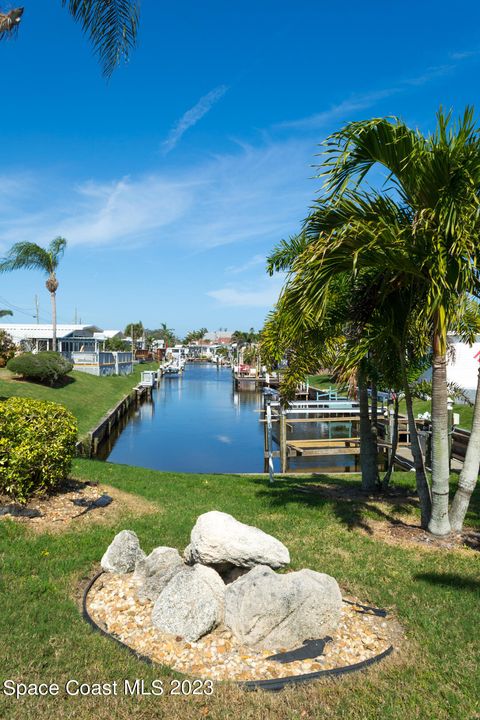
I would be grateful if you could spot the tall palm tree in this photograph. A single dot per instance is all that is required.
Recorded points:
(4, 313)
(360, 234)
(436, 182)
(135, 331)
(111, 26)
(167, 334)
(30, 256)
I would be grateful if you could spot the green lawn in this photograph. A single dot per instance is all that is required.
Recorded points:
(88, 397)
(434, 594)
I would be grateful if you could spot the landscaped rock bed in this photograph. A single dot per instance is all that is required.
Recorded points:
(75, 503)
(222, 612)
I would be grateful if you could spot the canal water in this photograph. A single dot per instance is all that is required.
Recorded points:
(197, 422)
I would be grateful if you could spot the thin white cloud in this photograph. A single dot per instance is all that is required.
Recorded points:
(192, 116)
(344, 109)
(263, 295)
(465, 54)
(340, 111)
(252, 195)
(253, 262)
(431, 74)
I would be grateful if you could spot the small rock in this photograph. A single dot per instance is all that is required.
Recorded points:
(191, 604)
(154, 572)
(123, 553)
(187, 555)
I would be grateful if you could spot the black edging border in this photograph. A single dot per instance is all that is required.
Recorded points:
(273, 685)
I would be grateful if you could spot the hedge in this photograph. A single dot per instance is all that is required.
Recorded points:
(37, 444)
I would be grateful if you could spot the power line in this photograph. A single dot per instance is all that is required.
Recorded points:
(26, 311)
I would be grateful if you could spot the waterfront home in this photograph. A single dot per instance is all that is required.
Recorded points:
(103, 362)
(33, 337)
(82, 344)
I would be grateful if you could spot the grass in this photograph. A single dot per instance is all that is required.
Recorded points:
(435, 594)
(87, 397)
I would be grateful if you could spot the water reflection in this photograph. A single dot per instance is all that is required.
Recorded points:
(198, 422)
(195, 423)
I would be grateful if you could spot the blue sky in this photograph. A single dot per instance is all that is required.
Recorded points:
(174, 180)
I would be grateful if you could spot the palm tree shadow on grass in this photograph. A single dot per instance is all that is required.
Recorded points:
(450, 580)
(344, 497)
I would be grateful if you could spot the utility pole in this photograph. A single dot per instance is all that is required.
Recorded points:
(37, 309)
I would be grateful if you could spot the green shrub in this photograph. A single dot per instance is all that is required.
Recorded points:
(45, 367)
(37, 443)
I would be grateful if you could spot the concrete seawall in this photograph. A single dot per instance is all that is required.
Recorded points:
(88, 445)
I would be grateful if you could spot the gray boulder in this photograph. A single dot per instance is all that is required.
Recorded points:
(123, 553)
(220, 540)
(267, 610)
(154, 572)
(192, 603)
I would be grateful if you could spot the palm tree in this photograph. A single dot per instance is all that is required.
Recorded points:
(4, 313)
(436, 181)
(111, 26)
(135, 331)
(369, 238)
(167, 334)
(30, 256)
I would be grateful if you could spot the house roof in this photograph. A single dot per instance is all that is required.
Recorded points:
(33, 331)
(218, 336)
(107, 334)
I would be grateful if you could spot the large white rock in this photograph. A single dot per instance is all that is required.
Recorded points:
(154, 572)
(191, 604)
(123, 553)
(218, 539)
(266, 610)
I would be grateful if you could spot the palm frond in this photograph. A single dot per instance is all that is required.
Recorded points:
(285, 253)
(352, 152)
(28, 256)
(9, 23)
(56, 250)
(111, 26)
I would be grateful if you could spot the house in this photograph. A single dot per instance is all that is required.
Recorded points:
(82, 344)
(219, 337)
(104, 335)
(37, 338)
(462, 366)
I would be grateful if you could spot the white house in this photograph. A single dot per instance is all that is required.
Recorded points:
(70, 338)
(82, 344)
(463, 366)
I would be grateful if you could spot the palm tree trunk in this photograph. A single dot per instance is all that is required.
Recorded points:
(469, 475)
(439, 523)
(368, 446)
(374, 405)
(53, 300)
(423, 488)
(393, 449)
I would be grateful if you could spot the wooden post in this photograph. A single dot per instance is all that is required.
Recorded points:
(265, 441)
(283, 441)
(450, 430)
